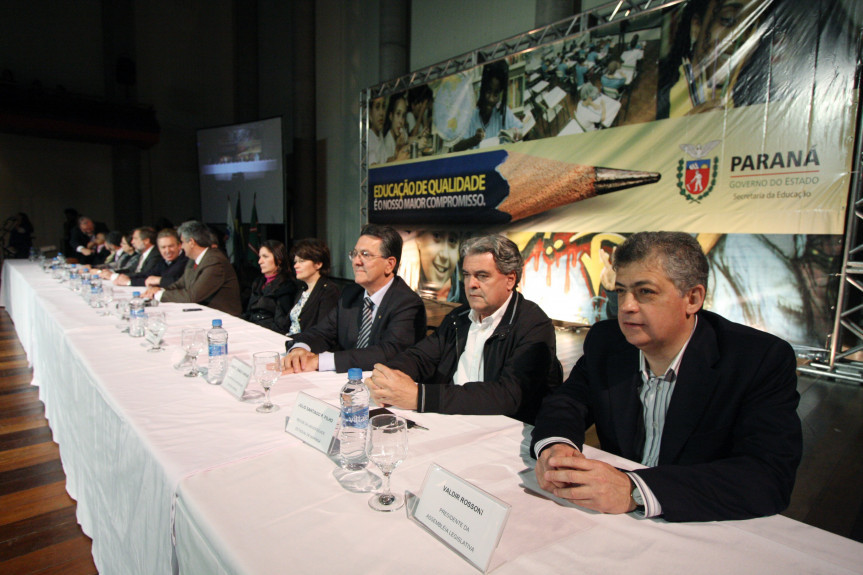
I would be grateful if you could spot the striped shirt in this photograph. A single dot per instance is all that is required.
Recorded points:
(655, 395)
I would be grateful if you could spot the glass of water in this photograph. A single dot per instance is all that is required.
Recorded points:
(268, 368)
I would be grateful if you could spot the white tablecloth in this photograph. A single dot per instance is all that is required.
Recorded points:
(138, 441)
(284, 512)
(129, 426)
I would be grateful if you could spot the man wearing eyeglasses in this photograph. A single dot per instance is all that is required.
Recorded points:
(495, 356)
(377, 317)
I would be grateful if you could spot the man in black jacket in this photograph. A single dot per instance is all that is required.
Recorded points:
(495, 357)
(144, 242)
(83, 240)
(377, 317)
(707, 405)
(167, 270)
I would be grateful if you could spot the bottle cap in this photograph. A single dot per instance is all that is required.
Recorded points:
(355, 373)
(136, 294)
(217, 323)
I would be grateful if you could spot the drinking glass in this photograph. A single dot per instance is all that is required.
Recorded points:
(107, 298)
(193, 342)
(120, 309)
(268, 368)
(387, 446)
(156, 326)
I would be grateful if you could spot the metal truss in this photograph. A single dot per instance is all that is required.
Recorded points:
(846, 341)
(601, 16)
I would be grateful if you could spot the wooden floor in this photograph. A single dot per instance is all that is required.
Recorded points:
(39, 534)
(38, 530)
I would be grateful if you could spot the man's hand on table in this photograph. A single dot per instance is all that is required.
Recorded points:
(299, 360)
(151, 293)
(565, 471)
(392, 387)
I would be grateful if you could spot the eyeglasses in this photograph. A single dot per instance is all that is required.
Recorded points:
(365, 255)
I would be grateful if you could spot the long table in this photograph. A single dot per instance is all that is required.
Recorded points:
(173, 475)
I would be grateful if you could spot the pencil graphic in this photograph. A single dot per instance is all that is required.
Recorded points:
(537, 185)
(488, 188)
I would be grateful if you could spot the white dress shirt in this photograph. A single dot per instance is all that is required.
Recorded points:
(470, 362)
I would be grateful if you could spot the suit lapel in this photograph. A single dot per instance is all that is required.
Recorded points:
(379, 312)
(624, 405)
(356, 312)
(315, 294)
(696, 383)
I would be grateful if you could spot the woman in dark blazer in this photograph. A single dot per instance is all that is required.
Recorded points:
(317, 294)
(274, 292)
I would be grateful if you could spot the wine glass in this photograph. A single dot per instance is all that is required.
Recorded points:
(156, 326)
(120, 309)
(107, 298)
(193, 342)
(268, 368)
(387, 446)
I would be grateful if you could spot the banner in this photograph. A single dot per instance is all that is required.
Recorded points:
(731, 121)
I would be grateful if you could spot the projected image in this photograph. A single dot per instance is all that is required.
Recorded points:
(242, 161)
(238, 150)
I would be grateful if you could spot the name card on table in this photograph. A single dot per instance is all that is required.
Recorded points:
(237, 377)
(313, 421)
(461, 515)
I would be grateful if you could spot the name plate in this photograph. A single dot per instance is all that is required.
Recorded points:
(237, 377)
(463, 516)
(313, 421)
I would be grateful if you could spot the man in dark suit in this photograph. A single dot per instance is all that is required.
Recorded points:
(144, 242)
(168, 269)
(377, 317)
(82, 239)
(709, 406)
(495, 356)
(208, 279)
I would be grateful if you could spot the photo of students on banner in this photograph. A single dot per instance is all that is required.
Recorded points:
(734, 118)
(431, 263)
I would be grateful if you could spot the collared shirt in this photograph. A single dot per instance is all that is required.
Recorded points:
(326, 360)
(200, 257)
(143, 257)
(470, 363)
(655, 396)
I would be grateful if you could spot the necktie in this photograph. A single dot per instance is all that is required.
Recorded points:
(366, 326)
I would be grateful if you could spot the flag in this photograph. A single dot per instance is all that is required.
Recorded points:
(254, 237)
(229, 236)
(239, 252)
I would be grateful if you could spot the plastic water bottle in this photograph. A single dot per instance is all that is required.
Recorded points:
(85, 287)
(217, 343)
(96, 291)
(137, 315)
(355, 422)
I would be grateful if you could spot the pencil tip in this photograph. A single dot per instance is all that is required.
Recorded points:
(611, 179)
